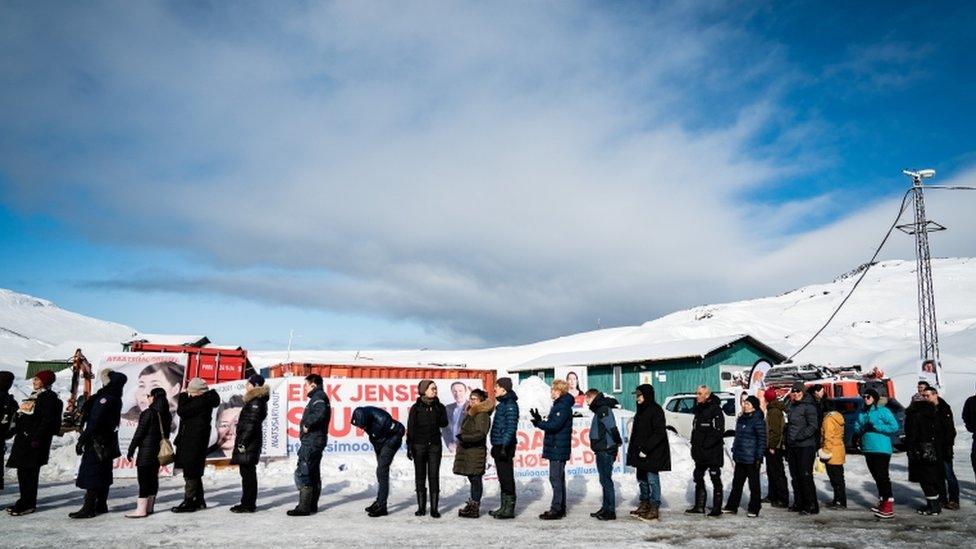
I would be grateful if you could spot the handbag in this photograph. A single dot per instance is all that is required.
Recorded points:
(166, 454)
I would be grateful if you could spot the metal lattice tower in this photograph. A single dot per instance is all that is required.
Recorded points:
(928, 334)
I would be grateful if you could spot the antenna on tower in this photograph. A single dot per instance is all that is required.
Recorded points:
(928, 335)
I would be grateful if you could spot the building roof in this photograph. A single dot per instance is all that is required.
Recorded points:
(645, 352)
(169, 339)
(65, 351)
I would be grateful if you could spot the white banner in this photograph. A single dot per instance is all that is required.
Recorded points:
(274, 442)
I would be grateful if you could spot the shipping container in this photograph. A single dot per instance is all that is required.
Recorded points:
(212, 364)
(371, 371)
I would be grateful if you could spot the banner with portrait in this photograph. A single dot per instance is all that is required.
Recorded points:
(233, 398)
(575, 377)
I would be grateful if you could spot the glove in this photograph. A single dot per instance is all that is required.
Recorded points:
(868, 427)
(536, 416)
(129, 456)
(79, 448)
(410, 452)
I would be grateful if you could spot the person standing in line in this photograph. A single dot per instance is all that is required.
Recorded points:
(605, 440)
(969, 419)
(36, 423)
(195, 408)
(748, 448)
(424, 423)
(504, 431)
(949, 487)
(314, 437)
(834, 453)
(155, 423)
(386, 436)
(557, 444)
(8, 411)
(802, 441)
(248, 440)
(707, 450)
(472, 452)
(873, 428)
(98, 444)
(779, 495)
(649, 452)
(925, 440)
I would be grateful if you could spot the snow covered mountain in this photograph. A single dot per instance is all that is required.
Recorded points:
(29, 326)
(878, 326)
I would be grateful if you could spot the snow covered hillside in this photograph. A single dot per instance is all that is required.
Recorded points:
(30, 326)
(878, 326)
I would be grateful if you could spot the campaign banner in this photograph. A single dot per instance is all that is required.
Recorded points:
(274, 442)
(576, 378)
(396, 396)
(145, 372)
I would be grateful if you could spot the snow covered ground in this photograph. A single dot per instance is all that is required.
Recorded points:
(349, 486)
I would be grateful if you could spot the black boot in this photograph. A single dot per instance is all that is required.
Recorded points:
(700, 495)
(88, 508)
(716, 501)
(316, 492)
(101, 504)
(188, 505)
(434, 511)
(421, 503)
(304, 507)
(507, 510)
(198, 500)
(372, 506)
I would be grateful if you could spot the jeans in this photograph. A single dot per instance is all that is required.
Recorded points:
(604, 465)
(557, 479)
(878, 466)
(949, 488)
(427, 466)
(28, 478)
(743, 472)
(836, 475)
(477, 487)
(801, 473)
(309, 469)
(249, 485)
(384, 458)
(776, 474)
(649, 483)
(148, 476)
(506, 470)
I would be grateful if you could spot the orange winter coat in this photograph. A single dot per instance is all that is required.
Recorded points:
(833, 437)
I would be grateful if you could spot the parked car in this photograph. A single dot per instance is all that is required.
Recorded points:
(679, 413)
(852, 406)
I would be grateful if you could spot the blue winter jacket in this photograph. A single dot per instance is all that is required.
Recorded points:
(378, 424)
(877, 439)
(558, 442)
(505, 427)
(750, 438)
(604, 434)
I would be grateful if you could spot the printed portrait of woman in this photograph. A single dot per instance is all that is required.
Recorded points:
(166, 375)
(227, 415)
(575, 390)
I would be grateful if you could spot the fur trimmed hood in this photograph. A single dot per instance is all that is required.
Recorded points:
(256, 392)
(487, 406)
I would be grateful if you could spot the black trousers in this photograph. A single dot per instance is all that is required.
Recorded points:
(744, 471)
(801, 473)
(506, 469)
(148, 476)
(28, 478)
(715, 475)
(878, 466)
(249, 485)
(427, 466)
(836, 475)
(776, 475)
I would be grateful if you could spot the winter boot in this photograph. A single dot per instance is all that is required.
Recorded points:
(652, 514)
(142, 509)
(699, 508)
(876, 508)
(716, 501)
(932, 507)
(434, 511)
(507, 510)
(101, 504)
(378, 511)
(198, 494)
(88, 508)
(304, 507)
(552, 515)
(641, 509)
(464, 511)
(473, 510)
(241, 508)
(372, 506)
(316, 493)
(887, 509)
(151, 505)
(607, 515)
(421, 503)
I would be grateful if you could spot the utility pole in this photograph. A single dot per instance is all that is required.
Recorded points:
(928, 335)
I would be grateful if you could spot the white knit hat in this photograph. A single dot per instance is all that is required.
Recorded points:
(197, 385)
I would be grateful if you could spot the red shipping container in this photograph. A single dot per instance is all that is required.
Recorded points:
(212, 364)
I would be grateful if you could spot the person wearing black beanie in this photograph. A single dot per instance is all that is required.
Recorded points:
(748, 450)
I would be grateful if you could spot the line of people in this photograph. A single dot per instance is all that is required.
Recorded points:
(796, 433)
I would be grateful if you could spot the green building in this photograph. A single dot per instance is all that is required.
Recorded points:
(671, 366)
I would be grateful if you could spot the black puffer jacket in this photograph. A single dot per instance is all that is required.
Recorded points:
(649, 448)
(315, 421)
(802, 423)
(34, 431)
(707, 444)
(925, 442)
(100, 436)
(425, 422)
(196, 425)
(948, 428)
(148, 436)
(250, 435)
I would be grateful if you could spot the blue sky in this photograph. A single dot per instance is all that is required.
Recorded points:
(450, 175)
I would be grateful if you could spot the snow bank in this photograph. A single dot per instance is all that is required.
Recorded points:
(534, 393)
